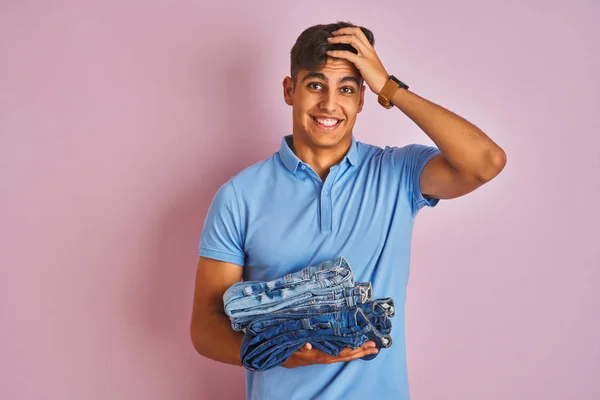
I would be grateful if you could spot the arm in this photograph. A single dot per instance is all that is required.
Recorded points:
(469, 157)
(210, 329)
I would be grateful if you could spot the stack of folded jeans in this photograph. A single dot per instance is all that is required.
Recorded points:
(321, 305)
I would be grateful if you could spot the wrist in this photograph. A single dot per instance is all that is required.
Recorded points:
(381, 83)
(392, 86)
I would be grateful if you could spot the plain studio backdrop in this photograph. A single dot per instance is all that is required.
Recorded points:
(120, 119)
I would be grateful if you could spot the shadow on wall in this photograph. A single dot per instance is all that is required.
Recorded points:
(229, 124)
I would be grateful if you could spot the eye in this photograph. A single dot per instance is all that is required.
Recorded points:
(315, 86)
(347, 90)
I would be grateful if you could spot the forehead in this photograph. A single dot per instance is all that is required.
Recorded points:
(334, 68)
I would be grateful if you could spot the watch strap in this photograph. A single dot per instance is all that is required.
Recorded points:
(385, 96)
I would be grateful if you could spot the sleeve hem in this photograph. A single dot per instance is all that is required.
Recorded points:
(221, 255)
(420, 200)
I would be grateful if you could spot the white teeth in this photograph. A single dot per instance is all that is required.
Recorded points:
(327, 121)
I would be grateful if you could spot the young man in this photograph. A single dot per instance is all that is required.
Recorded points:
(324, 195)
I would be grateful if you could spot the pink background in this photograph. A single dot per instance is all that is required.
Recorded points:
(120, 119)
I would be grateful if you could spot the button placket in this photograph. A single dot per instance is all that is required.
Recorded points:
(326, 204)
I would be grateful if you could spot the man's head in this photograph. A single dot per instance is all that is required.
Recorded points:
(311, 47)
(325, 93)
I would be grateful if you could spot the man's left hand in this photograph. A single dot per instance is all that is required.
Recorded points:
(366, 61)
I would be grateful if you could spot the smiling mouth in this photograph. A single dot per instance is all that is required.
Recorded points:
(326, 123)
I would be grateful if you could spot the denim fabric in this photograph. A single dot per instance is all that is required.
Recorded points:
(337, 299)
(319, 304)
(253, 298)
(269, 343)
(274, 326)
(377, 311)
(277, 350)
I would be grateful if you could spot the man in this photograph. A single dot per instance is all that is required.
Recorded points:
(324, 195)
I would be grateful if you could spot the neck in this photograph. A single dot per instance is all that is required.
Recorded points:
(320, 159)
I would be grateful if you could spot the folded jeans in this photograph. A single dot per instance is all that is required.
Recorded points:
(329, 333)
(334, 300)
(253, 298)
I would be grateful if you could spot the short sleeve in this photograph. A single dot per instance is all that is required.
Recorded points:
(411, 160)
(222, 235)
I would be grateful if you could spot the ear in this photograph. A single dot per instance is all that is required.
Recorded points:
(288, 91)
(361, 102)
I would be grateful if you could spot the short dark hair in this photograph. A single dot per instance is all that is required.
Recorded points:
(311, 47)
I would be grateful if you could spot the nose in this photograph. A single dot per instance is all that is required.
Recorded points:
(328, 101)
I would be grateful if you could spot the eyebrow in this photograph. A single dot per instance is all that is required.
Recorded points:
(321, 76)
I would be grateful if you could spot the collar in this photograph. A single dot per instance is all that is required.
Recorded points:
(291, 161)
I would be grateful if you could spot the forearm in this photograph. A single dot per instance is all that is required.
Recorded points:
(468, 149)
(214, 338)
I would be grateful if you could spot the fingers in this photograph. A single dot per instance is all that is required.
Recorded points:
(349, 354)
(354, 36)
(355, 354)
(370, 344)
(306, 355)
(351, 40)
(346, 55)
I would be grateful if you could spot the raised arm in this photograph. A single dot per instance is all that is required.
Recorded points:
(469, 157)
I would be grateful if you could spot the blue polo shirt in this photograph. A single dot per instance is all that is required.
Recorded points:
(278, 216)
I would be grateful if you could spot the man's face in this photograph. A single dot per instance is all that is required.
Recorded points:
(325, 103)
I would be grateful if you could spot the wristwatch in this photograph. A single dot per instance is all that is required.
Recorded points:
(385, 96)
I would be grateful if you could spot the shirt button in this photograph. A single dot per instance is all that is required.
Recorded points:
(303, 167)
(325, 192)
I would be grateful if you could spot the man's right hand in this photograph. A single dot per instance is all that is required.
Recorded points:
(306, 355)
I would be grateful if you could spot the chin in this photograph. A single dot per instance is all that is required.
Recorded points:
(328, 140)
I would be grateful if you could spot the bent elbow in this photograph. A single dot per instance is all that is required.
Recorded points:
(196, 338)
(496, 161)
